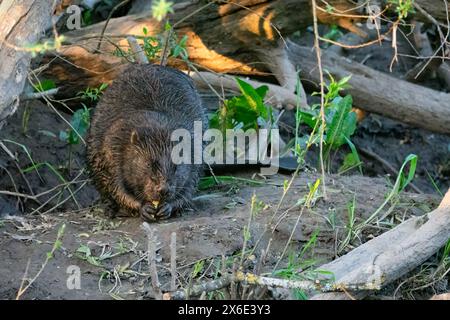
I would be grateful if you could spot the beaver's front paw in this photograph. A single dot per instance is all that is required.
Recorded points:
(150, 213)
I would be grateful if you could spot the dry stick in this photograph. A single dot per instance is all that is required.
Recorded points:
(139, 54)
(233, 285)
(396, 252)
(151, 259)
(197, 290)
(223, 271)
(118, 6)
(443, 39)
(38, 95)
(166, 52)
(322, 94)
(248, 279)
(173, 261)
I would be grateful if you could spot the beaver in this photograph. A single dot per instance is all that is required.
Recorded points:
(129, 146)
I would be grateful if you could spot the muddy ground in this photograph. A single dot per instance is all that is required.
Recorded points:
(213, 229)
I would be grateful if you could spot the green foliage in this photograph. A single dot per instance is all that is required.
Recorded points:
(334, 33)
(246, 111)
(178, 49)
(353, 230)
(92, 94)
(86, 17)
(48, 45)
(313, 195)
(152, 45)
(198, 268)
(44, 85)
(124, 245)
(58, 243)
(300, 267)
(403, 7)
(79, 126)
(84, 253)
(445, 257)
(160, 8)
(340, 122)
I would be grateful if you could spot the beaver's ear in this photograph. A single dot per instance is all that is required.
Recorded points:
(134, 138)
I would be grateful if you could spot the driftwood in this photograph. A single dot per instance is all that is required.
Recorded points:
(378, 92)
(391, 255)
(22, 23)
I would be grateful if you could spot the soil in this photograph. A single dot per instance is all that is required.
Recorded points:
(213, 229)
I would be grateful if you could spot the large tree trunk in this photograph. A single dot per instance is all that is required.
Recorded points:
(22, 23)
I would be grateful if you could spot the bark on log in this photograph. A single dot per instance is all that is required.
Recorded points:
(436, 8)
(378, 92)
(391, 255)
(22, 23)
(223, 37)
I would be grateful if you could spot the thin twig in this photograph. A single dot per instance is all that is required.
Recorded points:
(173, 261)
(118, 6)
(151, 259)
(322, 94)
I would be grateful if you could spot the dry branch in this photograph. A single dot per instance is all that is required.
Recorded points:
(392, 254)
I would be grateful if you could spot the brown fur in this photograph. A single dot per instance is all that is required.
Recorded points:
(128, 147)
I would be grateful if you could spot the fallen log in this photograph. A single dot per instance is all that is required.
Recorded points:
(227, 38)
(391, 255)
(22, 24)
(231, 37)
(378, 92)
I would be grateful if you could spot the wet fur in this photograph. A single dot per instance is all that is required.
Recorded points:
(128, 146)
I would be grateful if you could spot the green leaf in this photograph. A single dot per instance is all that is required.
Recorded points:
(44, 85)
(405, 180)
(355, 154)
(253, 98)
(342, 124)
(310, 118)
(350, 161)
